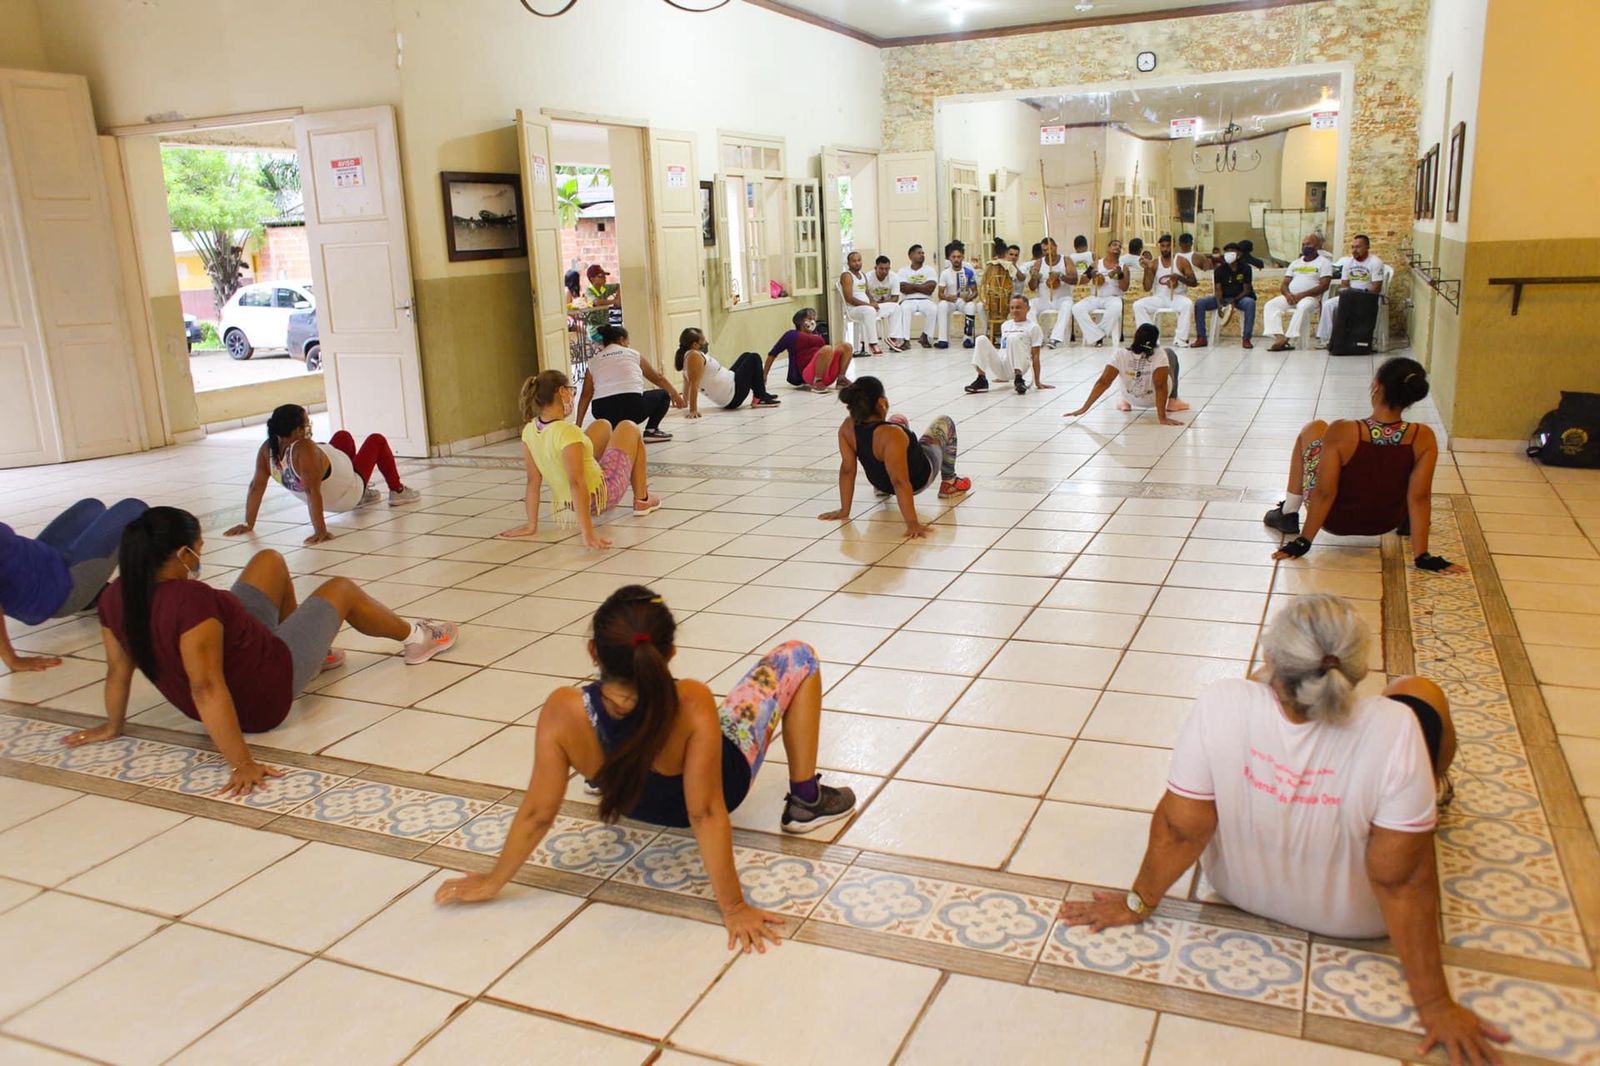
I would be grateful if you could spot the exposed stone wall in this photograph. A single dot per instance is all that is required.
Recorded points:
(1386, 40)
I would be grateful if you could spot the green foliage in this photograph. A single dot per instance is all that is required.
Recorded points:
(568, 205)
(208, 336)
(216, 200)
(280, 176)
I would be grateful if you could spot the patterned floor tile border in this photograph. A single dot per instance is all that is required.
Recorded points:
(1505, 891)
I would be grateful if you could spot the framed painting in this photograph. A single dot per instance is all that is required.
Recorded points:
(483, 215)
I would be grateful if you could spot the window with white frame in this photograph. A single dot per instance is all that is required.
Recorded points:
(769, 227)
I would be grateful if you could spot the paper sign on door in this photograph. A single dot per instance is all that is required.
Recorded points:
(677, 177)
(541, 169)
(1324, 120)
(906, 186)
(348, 173)
(1180, 128)
(1052, 135)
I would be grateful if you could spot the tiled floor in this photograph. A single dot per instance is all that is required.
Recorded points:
(1002, 696)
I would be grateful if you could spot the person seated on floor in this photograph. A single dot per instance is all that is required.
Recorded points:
(898, 463)
(1147, 374)
(590, 470)
(813, 362)
(1232, 286)
(725, 386)
(615, 385)
(1310, 805)
(232, 660)
(1020, 339)
(1363, 478)
(324, 477)
(59, 572)
(1304, 282)
(664, 751)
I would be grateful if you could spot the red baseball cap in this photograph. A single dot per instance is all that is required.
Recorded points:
(596, 270)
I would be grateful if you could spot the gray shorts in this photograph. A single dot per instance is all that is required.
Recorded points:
(308, 632)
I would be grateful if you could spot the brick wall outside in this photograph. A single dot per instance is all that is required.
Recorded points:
(284, 254)
(1385, 40)
(585, 244)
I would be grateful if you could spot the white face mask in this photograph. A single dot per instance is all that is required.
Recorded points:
(194, 571)
(1229, 257)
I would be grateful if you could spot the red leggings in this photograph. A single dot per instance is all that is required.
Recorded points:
(375, 452)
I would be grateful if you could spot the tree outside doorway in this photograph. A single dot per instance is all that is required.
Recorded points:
(220, 200)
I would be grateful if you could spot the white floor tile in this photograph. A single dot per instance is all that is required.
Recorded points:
(1112, 775)
(975, 1020)
(53, 939)
(939, 822)
(413, 740)
(1023, 707)
(990, 759)
(487, 1035)
(22, 800)
(184, 867)
(75, 836)
(1093, 845)
(1181, 1041)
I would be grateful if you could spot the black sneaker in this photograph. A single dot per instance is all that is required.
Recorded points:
(979, 384)
(1283, 523)
(1445, 791)
(656, 435)
(1020, 385)
(832, 804)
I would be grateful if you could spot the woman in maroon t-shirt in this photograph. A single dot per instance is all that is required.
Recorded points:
(232, 660)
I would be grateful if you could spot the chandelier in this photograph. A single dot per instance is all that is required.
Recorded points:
(696, 9)
(1224, 157)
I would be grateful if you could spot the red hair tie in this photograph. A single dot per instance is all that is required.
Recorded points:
(641, 638)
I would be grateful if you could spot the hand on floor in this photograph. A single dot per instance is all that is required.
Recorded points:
(249, 777)
(318, 538)
(1463, 1035)
(1104, 911)
(750, 927)
(23, 664)
(92, 736)
(237, 531)
(473, 888)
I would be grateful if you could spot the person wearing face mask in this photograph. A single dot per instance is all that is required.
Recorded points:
(813, 362)
(1304, 282)
(725, 386)
(232, 660)
(1361, 271)
(1147, 374)
(59, 572)
(590, 470)
(1233, 286)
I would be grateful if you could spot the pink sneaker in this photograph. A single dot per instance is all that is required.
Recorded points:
(334, 660)
(646, 506)
(438, 637)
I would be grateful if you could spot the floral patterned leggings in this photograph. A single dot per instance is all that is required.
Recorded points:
(753, 710)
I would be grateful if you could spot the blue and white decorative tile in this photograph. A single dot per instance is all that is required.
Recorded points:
(1489, 797)
(1496, 841)
(485, 834)
(582, 846)
(208, 776)
(669, 864)
(992, 920)
(32, 741)
(390, 809)
(1488, 758)
(1142, 952)
(1361, 986)
(788, 884)
(880, 901)
(1506, 894)
(1242, 964)
(1521, 941)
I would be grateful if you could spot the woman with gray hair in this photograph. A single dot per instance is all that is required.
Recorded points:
(1314, 806)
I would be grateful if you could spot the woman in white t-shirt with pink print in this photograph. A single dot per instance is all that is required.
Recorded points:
(1312, 806)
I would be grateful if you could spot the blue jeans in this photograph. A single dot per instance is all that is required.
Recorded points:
(90, 530)
(1207, 304)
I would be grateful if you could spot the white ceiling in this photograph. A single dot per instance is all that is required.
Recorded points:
(888, 19)
(1261, 105)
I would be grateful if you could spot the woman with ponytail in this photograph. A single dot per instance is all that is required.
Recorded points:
(663, 751)
(724, 386)
(325, 477)
(1314, 806)
(233, 661)
(590, 471)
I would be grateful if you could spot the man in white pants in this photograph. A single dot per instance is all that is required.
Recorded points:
(1052, 276)
(883, 289)
(957, 295)
(917, 284)
(1304, 282)
(1020, 340)
(859, 307)
(1110, 281)
(1167, 279)
(1358, 270)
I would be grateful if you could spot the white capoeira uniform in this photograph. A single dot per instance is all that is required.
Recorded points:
(1058, 299)
(1165, 296)
(1018, 339)
(1361, 274)
(886, 291)
(861, 312)
(1303, 277)
(1107, 299)
(951, 285)
(912, 304)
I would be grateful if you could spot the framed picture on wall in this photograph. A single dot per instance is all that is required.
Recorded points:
(483, 215)
(1458, 160)
(1105, 214)
(1427, 184)
(708, 216)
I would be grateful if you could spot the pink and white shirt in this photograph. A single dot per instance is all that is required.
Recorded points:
(1296, 803)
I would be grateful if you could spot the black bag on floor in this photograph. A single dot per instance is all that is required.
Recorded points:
(1569, 435)
(1355, 322)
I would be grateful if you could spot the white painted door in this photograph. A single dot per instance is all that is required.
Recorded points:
(66, 359)
(361, 270)
(544, 241)
(678, 253)
(965, 221)
(1032, 211)
(907, 204)
(1008, 206)
(830, 166)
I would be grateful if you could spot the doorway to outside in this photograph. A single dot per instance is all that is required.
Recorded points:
(239, 248)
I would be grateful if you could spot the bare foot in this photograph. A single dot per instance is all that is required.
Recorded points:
(1177, 405)
(1123, 405)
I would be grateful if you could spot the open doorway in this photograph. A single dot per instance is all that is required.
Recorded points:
(240, 251)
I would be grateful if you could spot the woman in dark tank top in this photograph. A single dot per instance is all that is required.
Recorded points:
(1366, 477)
(898, 463)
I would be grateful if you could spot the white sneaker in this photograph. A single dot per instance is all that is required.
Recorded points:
(369, 495)
(406, 495)
(437, 637)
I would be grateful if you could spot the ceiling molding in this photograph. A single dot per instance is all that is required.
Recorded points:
(1223, 7)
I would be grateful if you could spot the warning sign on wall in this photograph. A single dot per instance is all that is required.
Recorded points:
(1052, 135)
(541, 168)
(1180, 128)
(677, 177)
(348, 173)
(906, 186)
(1324, 120)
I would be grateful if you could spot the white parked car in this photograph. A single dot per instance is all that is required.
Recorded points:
(257, 316)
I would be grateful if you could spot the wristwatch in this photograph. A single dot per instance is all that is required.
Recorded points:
(1137, 905)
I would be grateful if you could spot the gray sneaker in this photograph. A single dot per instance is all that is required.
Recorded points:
(832, 804)
(369, 495)
(437, 637)
(405, 495)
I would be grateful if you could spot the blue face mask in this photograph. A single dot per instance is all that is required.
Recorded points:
(1308, 251)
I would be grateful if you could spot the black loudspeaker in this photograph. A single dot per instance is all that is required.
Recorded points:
(1355, 323)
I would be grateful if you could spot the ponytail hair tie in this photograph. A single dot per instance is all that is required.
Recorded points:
(1330, 662)
(641, 638)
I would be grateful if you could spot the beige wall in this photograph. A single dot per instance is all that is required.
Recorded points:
(1310, 155)
(21, 45)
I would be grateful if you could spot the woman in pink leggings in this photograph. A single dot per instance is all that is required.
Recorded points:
(326, 477)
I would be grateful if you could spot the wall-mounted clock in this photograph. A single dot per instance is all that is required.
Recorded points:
(1146, 62)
